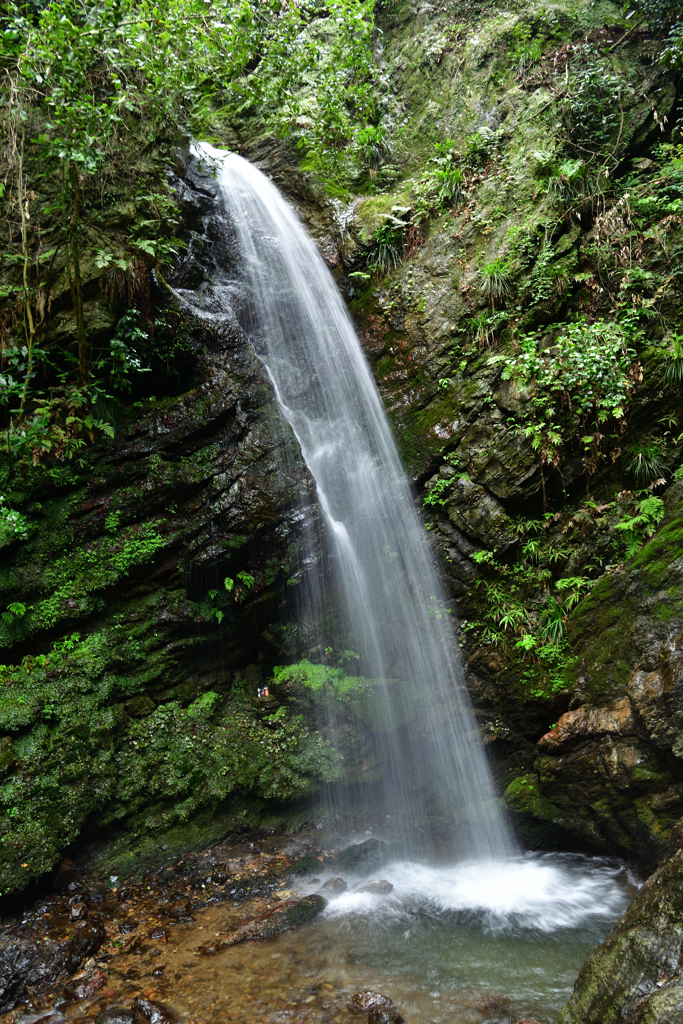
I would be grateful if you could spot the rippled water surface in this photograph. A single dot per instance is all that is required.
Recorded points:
(486, 942)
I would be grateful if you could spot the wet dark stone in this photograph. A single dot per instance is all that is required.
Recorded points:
(24, 966)
(115, 1015)
(66, 874)
(153, 1013)
(275, 921)
(127, 925)
(219, 873)
(87, 938)
(85, 987)
(78, 911)
(634, 975)
(366, 1000)
(159, 934)
(334, 886)
(306, 863)
(380, 1015)
(380, 888)
(362, 856)
(158, 971)
(181, 908)
(181, 911)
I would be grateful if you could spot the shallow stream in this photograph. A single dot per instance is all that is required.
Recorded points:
(465, 944)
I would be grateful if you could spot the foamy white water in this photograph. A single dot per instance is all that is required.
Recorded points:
(541, 892)
(428, 758)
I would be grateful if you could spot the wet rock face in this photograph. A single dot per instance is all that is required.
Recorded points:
(284, 917)
(635, 975)
(26, 966)
(611, 770)
(132, 557)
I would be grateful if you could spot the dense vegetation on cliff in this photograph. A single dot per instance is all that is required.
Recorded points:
(500, 193)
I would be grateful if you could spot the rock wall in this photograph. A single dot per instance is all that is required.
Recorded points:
(635, 975)
(131, 696)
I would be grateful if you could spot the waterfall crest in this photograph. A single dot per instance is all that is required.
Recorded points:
(387, 591)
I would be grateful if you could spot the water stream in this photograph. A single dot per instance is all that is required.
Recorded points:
(465, 943)
(430, 764)
(481, 932)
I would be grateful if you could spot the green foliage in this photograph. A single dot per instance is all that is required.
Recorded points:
(525, 607)
(495, 279)
(316, 678)
(527, 51)
(640, 526)
(124, 347)
(674, 359)
(594, 100)
(435, 494)
(581, 380)
(659, 13)
(13, 525)
(389, 242)
(75, 750)
(448, 175)
(76, 578)
(443, 184)
(646, 460)
(92, 85)
(56, 428)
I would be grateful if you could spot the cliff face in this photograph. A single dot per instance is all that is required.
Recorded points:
(583, 730)
(131, 696)
(127, 655)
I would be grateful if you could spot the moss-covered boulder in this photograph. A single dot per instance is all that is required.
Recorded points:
(635, 974)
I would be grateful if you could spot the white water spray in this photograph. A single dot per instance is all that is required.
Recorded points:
(392, 606)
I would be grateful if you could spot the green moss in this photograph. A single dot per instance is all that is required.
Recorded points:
(524, 796)
(78, 575)
(76, 751)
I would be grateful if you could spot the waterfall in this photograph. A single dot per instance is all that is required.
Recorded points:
(429, 757)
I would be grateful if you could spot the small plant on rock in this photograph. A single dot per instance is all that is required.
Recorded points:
(647, 460)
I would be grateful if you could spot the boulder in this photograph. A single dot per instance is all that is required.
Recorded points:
(286, 916)
(635, 974)
(379, 888)
(334, 886)
(361, 856)
(25, 966)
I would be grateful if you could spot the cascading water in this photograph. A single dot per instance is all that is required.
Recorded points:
(393, 609)
(485, 929)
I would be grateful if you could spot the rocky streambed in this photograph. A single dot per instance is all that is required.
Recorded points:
(307, 928)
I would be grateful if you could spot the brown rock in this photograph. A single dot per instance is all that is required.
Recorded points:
(380, 888)
(115, 1015)
(87, 938)
(588, 721)
(182, 910)
(78, 911)
(366, 1000)
(379, 1015)
(153, 1013)
(275, 921)
(85, 985)
(334, 886)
